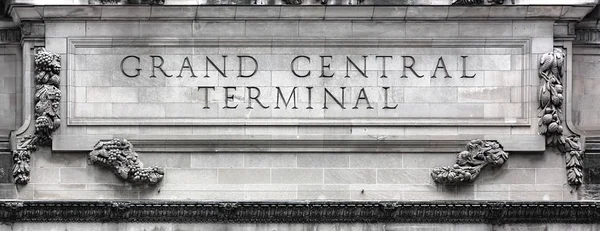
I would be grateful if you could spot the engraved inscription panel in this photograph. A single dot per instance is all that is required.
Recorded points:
(297, 82)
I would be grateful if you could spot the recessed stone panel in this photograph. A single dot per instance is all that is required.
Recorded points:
(297, 82)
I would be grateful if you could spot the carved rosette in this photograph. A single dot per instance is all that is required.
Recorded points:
(551, 100)
(47, 117)
(118, 155)
(477, 155)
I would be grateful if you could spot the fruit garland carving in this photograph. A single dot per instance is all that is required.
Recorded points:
(118, 155)
(477, 155)
(47, 112)
(551, 100)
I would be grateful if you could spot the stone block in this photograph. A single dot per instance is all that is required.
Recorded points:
(376, 160)
(427, 160)
(297, 176)
(206, 12)
(430, 95)
(244, 176)
(221, 160)
(483, 94)
(350, 176)
(270, 160)
(340, 12)
(323, 160)
(417, 12)
(5, 168)
(323, 192)
(44, 158)
(119, 12)
(303, 12)
(403, 176)
(272, 29)
(173, 11)
(533, 28)
(190, 176)
(376, 192)
(485, 29)
(270, 192)
(137, 110)
(65, 29)
(391, 12)
(249, 12)
(538, 160)
(542, 45)
(45, 175)
(507, 176)
(95, 29)
(325, 29)
(378, 29)
(90, 174)
(550, 175)
(167, 160)
(438, 29)
(166, 29)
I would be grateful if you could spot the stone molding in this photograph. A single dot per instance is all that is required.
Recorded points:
(587, 36)
(302, 143)
(490, 212)
(477, 155)
(282, 12)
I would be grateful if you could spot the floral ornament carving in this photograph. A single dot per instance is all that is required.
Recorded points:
(47, 112)
(118, 155)
(477, 155)
(477, 2)
(550, 125)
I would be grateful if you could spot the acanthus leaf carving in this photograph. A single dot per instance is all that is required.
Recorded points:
(477, 155)
(550, 124)
(47, 112)
(118, 155)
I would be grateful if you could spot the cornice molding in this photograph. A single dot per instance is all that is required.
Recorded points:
(491, 212)
(365, 11)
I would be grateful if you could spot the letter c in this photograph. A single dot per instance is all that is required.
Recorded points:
(294, 71)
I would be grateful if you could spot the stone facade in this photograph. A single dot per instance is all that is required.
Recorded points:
(263, 102)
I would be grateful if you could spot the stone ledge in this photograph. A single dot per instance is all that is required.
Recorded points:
(490, 212)
(302, 143)
(363, 12)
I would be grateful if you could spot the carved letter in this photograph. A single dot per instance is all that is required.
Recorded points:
(280, 95)
(385, 91)
(294, 71)
(229, 97)
(206, 95)
(154, 66)
(222, 72)
(334, 99)
(464, 75)
(309, 97)
(362, 95)
(442, 65)
(250, 98)
(137, 69)
(383, 63)
(184, 65)
(362, 72)
(241, 66)
(405, 59)
(323, 66)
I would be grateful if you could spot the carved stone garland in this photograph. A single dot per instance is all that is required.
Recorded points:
(550, 124)
(47, 117)
(118, 155)
(478, 154)
(477, 2)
